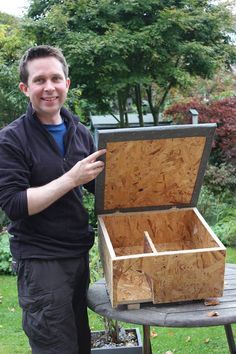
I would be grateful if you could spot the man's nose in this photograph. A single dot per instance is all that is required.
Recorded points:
(49, 86)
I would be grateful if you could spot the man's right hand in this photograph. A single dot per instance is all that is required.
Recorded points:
(84, 171)
(87, 169)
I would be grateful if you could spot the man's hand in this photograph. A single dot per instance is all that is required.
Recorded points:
(84, 171)
(87, 169)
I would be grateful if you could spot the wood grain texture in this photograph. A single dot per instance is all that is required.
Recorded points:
(188, 276)
(105, 256)
(169, 230)
(130, 284)
(165, 256)
(151, 173)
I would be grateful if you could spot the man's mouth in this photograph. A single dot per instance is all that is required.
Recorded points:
(49, 99)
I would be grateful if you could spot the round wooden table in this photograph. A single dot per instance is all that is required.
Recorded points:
(184, 314)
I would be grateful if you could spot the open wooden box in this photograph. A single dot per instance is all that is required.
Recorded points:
(154, 244)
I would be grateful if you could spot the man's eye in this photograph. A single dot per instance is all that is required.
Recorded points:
(57, 78)
(39, 81)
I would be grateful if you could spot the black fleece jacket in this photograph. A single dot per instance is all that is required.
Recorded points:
(29, 157)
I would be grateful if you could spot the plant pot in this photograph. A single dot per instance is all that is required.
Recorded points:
(138, 349)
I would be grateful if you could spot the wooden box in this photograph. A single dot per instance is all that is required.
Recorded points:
(154, 244)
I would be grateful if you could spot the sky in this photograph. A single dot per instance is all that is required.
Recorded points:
(16, 7)
(13, 7)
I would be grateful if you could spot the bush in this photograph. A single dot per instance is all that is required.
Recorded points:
(96, 271)
(220, 213)
(221, 179)
(210, 206)
(223, 113)
(88, 201)
(225, 228)
(4, 221)
(5, 255)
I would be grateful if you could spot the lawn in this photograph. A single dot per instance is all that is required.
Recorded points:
(182, 341)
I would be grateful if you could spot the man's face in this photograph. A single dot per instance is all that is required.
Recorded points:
(47, 88)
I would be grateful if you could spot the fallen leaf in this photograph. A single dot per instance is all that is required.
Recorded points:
(1, 326)
(188, 339)
(211, 302)
(171, 333)
(12, 309)
(213, 314)
(168, 352)
(153, 334)
(207, 340)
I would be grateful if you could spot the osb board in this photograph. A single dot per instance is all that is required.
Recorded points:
(169, 230)
(164, 256)
(168, 278)
(106, 254)
(130, 285)
(188, 276)
(152, 168)
(159, 172)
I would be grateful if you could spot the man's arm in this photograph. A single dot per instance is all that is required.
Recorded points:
(84, 171)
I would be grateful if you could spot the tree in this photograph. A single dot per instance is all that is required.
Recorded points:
(122, 47)
(12, 43)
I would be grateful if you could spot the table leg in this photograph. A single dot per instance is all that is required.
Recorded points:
(147, 348)
(230, 338)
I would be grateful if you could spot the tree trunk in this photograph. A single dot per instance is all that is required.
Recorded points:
(138, 101)
(121, 109)
(154, 110)
(126, 119)
(162, 100)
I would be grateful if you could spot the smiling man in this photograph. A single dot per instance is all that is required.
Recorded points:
(46, 156)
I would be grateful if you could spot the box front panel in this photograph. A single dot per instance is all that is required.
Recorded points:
(186, 276)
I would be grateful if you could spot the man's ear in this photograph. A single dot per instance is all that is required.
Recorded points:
(24, 88)
(67, 83)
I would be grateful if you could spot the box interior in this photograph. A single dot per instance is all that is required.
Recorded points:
(157, 231)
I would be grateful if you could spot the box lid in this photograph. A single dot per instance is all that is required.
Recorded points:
(152, 168)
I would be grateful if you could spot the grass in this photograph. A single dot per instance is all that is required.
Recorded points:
(176, 340)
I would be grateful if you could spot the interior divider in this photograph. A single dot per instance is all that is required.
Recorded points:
(149, 246)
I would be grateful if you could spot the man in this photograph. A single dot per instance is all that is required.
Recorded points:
(46, 155)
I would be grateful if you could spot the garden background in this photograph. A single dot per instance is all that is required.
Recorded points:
(134, 57)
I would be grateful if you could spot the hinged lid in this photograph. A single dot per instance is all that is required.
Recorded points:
(152, 168)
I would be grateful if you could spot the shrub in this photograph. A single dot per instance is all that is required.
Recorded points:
(3, 220)
(96, 271)
(223, 113)
(220, 213)
(225, 228)
(220, 179)
(88, 201)
(210, 206)
(5, 255)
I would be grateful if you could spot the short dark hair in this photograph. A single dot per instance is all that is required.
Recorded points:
(40, 51)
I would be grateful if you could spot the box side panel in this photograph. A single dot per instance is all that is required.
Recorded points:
(106, 259)
(188, 276)
(130, 284)
(214, 238)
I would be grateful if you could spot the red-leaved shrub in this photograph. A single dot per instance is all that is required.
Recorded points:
(222, 112)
